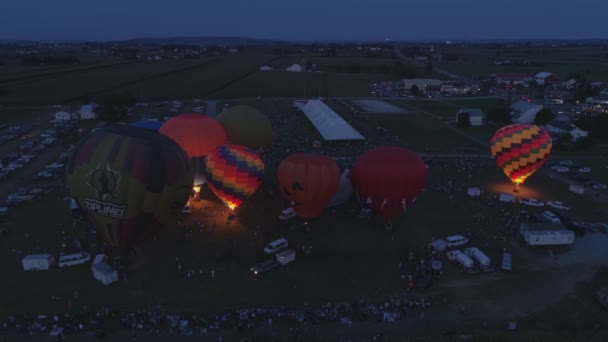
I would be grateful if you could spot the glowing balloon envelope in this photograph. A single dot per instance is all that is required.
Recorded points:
(389, 179)
(246, 126)
(519, 150)
(233, 173)
(129, 182)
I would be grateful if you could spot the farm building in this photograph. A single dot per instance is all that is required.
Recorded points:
(546, 78)
(265, 68)
(514, 78)
(559, 127)
(475, 116)
(524, 112)
(86, 112)
(329, 124)
(295, 68)
(63, 116)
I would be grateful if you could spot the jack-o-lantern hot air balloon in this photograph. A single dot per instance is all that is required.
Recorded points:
(129, 182)
(519, 150)
(198, 135)
(308, 182)
(233, 173)
(389, 179)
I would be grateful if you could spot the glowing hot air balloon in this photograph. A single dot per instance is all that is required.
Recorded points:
(519, 150)
(308, 182)
(233, 173)
(198, 135)
(389, 179)
(129, 182)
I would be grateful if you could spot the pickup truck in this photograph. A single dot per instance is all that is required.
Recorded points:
(532, 202)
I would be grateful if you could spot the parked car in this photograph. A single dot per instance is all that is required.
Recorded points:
(560, 169)
(264, 266)
(532, 202)
(558, 205)
(599, 186)
(584, 170)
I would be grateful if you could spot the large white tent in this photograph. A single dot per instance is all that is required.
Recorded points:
(329, 123)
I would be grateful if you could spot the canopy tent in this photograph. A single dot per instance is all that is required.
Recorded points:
(329, 124)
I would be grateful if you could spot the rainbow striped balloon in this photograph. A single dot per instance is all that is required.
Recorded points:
(233, 173)
(520, 150)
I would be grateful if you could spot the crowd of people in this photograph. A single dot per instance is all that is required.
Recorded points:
(246, 321)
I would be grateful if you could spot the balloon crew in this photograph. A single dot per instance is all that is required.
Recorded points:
(520, 150)
(129, 182)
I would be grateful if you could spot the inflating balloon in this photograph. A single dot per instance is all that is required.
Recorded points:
(519, 150)
(233, 173)
(129, 182)
(198, 135)
(389, 179)
(153, 125)
(308, 182)
(246, 126)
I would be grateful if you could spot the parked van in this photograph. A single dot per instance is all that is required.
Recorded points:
(276, 246)
(73, 259)
(287, 214)
(456, 240)
(465, 262)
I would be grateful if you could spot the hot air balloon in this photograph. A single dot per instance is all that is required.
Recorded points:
(129, 182)
(198, 135)
(233, 173)
(519, 150)
(308, 182)
(246, 126)
(389, 179)
(153, 125)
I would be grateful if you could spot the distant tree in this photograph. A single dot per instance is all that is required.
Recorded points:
(415, 90)
(499, 115)
(428, 67)
(544, 116)
(464, 120)
(113, 107)
(408, 73)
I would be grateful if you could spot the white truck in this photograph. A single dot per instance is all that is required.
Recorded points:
(546, 234)
(480, 258)
(34, 262)
(286, 256)
(466, 263)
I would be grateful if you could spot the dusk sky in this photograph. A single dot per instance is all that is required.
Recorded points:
(303, 20)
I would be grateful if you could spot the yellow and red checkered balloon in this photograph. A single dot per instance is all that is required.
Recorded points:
(233, 173)
(520, 150)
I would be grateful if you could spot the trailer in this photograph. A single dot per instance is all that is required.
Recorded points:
(546, 234)
(34, 262)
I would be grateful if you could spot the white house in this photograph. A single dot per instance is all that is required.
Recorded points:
(295, 68)
(475, 116)
(87, 112)
(524, 112)
(63, 116)
(562, 127)
(265, 68)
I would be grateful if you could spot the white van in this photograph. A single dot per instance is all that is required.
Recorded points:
(551, 217)
(276, 246)
(287, 214)
(73, 259)
(456, 240)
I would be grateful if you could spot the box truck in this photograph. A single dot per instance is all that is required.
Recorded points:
(34, 262)
(480, 258)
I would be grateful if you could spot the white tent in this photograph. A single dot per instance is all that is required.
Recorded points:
(345, 190)
(474, 192)
(329, 123)
(105, 273)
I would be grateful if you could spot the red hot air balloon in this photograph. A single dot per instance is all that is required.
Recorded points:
(198, 135)
(233, 173)
(308, 182)
(389, 179)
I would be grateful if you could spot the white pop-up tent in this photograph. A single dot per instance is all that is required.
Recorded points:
(474, 192)
(105, 273)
